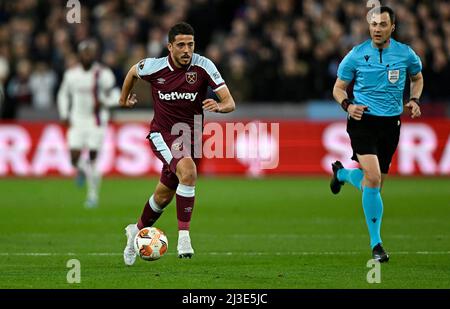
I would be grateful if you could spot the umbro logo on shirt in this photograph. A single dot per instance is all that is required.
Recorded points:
(366, 57)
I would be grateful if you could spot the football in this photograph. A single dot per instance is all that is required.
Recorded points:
(151, 243)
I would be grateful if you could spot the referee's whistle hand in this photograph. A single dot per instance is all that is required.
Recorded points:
(356, 111)
(414, 109)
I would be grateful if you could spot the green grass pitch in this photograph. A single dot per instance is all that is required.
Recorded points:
(262, 233)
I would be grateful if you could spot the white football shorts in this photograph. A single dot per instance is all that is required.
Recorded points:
(85, 137)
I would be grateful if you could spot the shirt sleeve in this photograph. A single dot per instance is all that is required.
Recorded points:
(109, 95)
(414, 62)
(108, 80)
(63, 98)
(215, 80)
(145, 67)
(347, 67)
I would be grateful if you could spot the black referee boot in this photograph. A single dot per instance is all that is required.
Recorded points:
(379, 254)
(335, 184)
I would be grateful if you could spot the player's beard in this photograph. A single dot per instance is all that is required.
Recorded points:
(87, 64)
(182, 63)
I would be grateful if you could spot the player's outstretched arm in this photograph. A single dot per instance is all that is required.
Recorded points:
(128, 99)
(226, 104)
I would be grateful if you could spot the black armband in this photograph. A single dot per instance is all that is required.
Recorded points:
(345, 104)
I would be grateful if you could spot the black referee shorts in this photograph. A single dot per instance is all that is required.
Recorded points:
(376, 135)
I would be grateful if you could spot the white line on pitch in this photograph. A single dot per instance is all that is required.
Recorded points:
(232, 253)
(285, 236)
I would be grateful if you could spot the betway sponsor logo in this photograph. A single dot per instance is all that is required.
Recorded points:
(177, 96)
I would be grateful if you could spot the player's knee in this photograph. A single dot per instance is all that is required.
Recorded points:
(372, 179)
(74, 160)
(187, 172)
(188, 176)
(93, 155)
(75, 157)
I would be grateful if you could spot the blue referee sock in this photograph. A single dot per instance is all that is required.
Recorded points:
(353, 176)
(373, 210)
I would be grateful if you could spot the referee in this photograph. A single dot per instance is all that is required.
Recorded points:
(379, 67)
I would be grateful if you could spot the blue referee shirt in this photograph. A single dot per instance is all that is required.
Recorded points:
(379, 75)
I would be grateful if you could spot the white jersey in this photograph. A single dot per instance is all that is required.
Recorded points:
(84, 96)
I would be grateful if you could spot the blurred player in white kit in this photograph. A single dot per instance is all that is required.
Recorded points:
(86, 92)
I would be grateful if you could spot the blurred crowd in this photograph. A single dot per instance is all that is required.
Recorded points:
(267, 50)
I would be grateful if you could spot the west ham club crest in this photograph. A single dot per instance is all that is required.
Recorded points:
(191, 77)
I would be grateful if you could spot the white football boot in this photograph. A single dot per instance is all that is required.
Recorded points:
(129, 254)
(91, 202)
(184, 247)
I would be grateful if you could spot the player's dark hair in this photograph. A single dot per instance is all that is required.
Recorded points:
(180, 28)
(386, 9)
(90, 44)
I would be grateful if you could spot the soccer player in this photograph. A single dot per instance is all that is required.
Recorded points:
(179, 84)
(379, 67)
(86, 92)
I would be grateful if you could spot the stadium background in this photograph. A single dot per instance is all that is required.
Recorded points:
(279, 59)
(293, 46)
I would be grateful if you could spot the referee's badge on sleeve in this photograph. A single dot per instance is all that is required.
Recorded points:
(393, 76)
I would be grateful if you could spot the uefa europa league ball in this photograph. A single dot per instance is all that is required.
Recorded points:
(151, 243)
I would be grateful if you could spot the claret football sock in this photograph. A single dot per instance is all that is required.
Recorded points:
(150, 214)
(352, 176)
(373, 210)
(185, 196)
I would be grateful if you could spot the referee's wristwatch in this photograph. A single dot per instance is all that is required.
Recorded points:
(345, 104)
(415, 100)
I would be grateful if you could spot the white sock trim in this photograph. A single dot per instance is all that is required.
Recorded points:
(186, 191)
(155, 207)
(183, 233)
